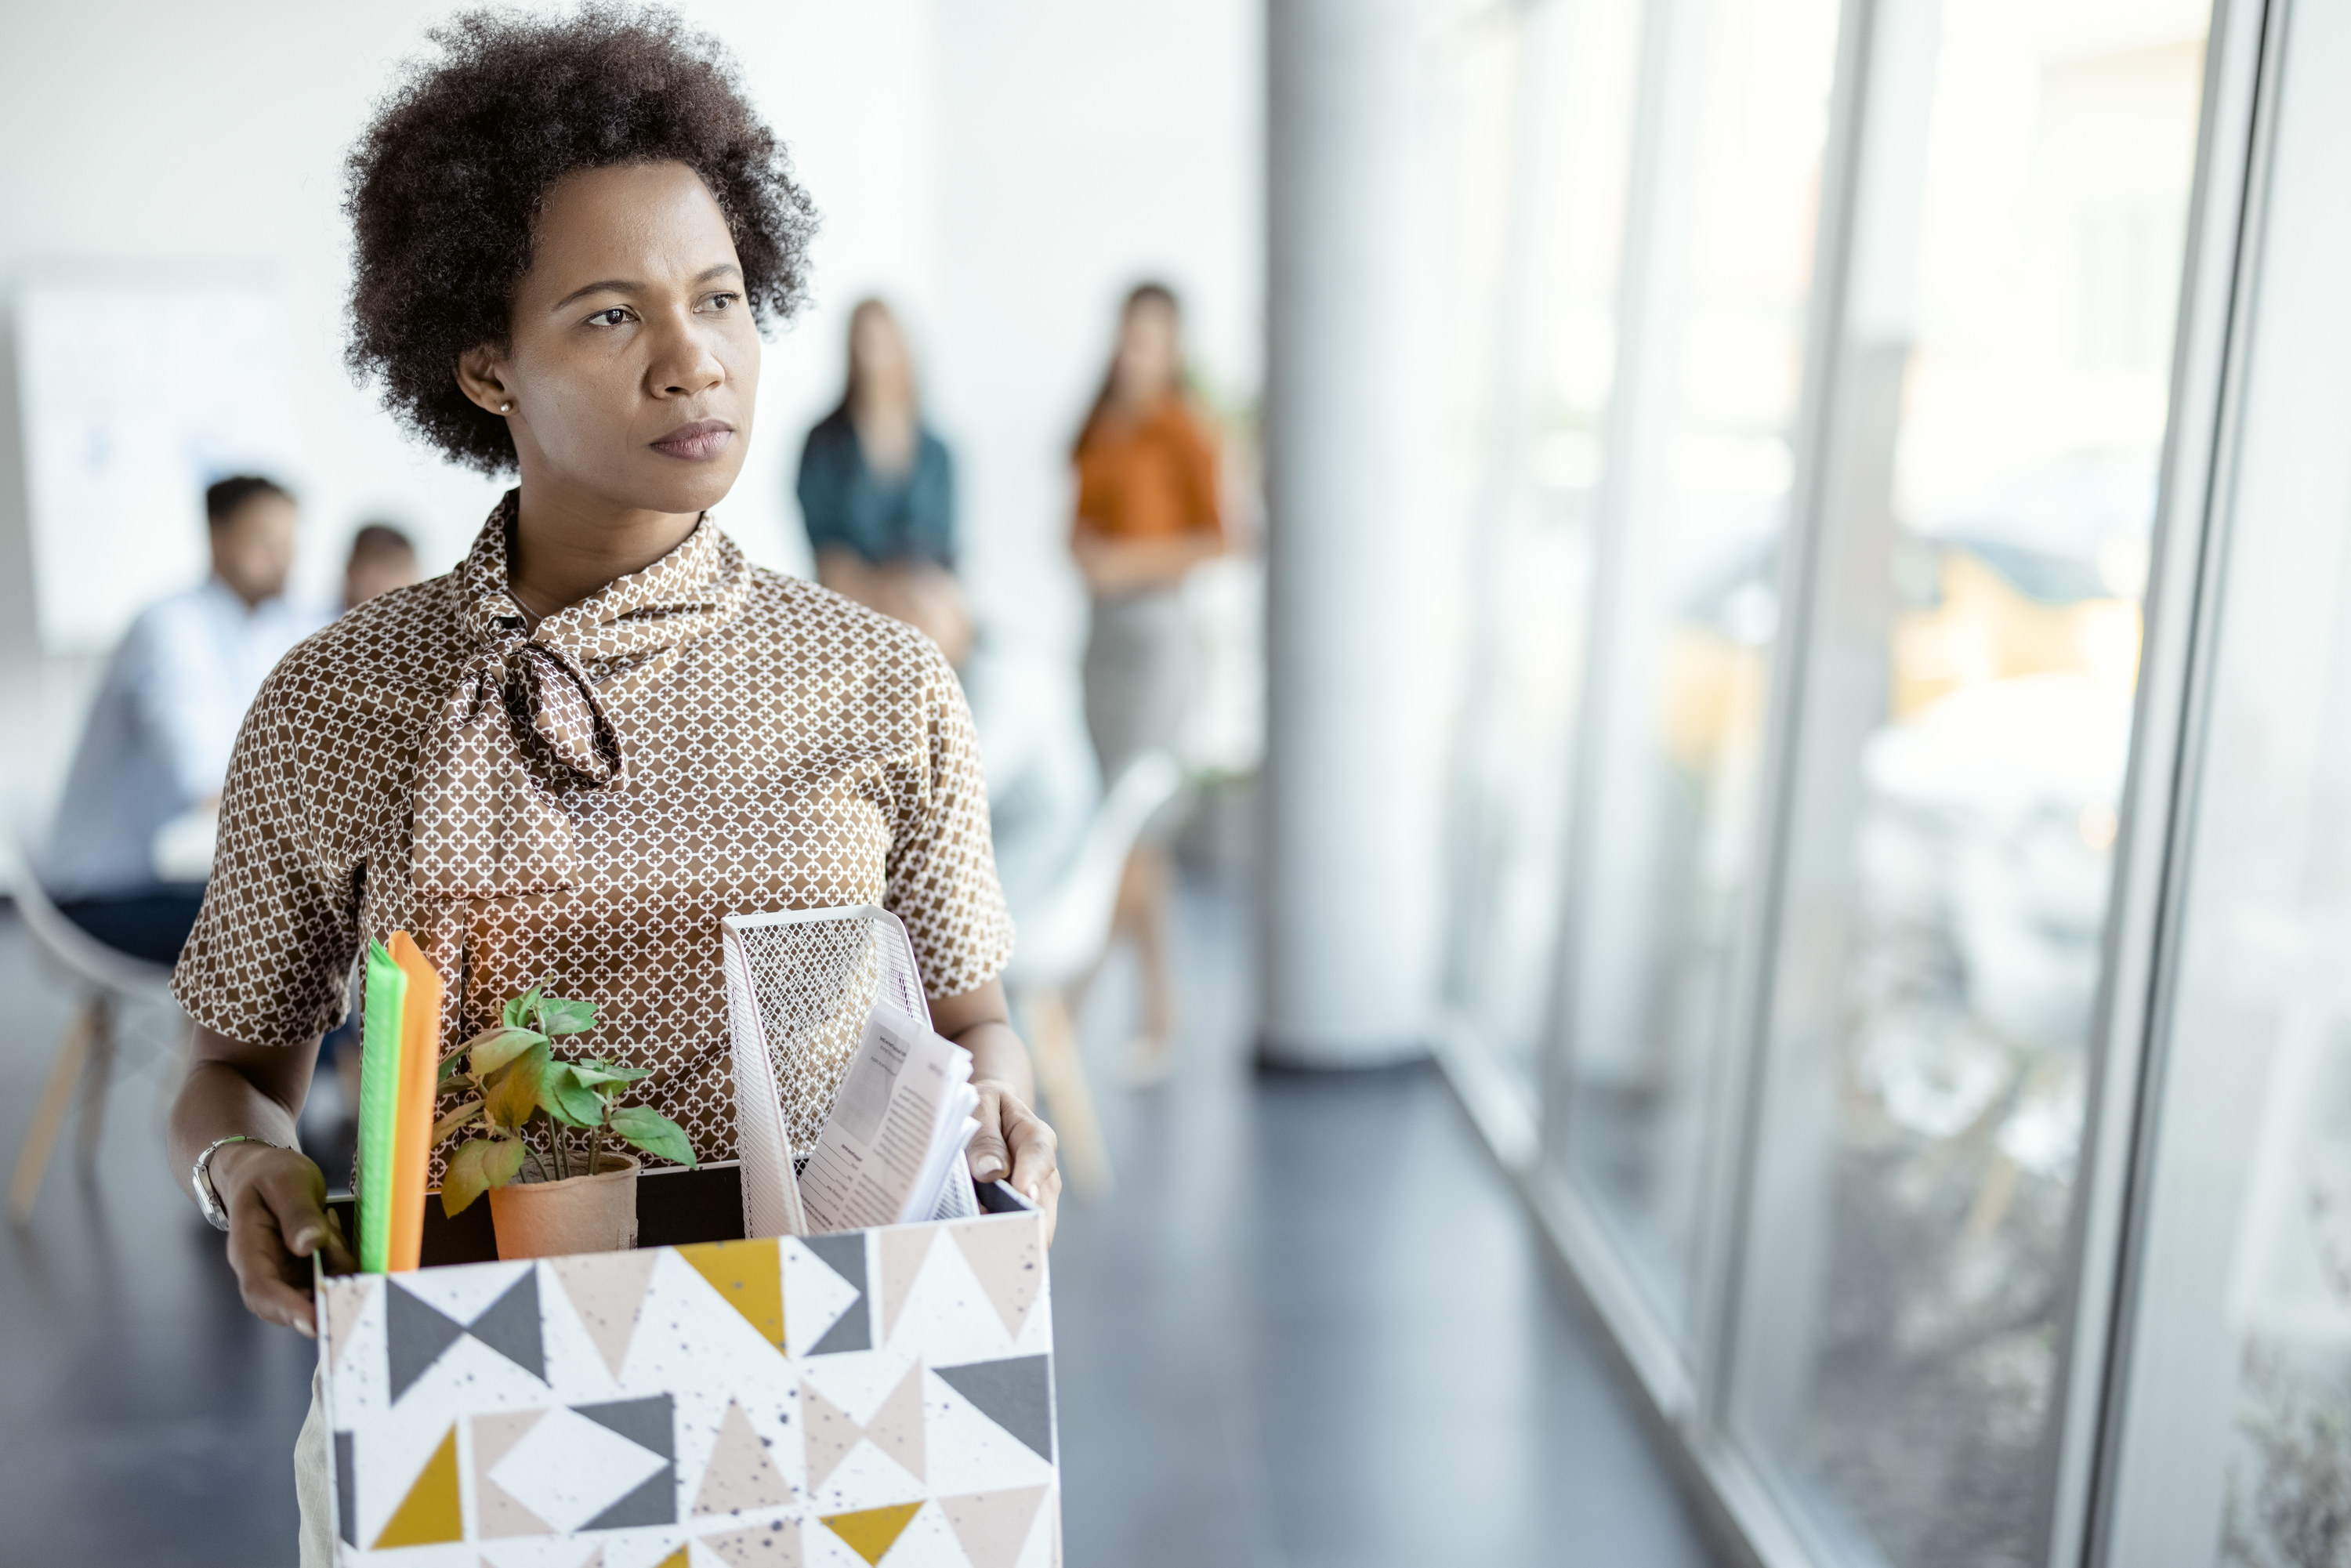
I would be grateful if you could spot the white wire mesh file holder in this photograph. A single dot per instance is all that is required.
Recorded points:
(799, 985)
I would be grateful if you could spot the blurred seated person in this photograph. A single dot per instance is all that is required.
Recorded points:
(381, 560)
(156, 745)
(877, 492)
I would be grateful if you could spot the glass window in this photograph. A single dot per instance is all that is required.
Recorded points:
(2237, 1444)
(1720, 249)
(2000, 402)
(1526, 476)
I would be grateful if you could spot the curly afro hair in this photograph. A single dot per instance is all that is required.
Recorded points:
(444, 189)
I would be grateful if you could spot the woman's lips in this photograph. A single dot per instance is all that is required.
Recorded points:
(698, 443)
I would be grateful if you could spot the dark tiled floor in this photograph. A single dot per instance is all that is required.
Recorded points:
(1310, 1327)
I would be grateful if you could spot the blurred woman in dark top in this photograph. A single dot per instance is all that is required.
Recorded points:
(1147, 514)
(877, 492)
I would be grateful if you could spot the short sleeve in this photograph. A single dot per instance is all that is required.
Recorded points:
(269, 961)
(1203, 505)
(823, 490)
(941, 876)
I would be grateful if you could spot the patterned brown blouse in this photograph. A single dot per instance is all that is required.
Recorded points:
(579, 803)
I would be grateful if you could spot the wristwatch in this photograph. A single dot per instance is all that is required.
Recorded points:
(201, 1178)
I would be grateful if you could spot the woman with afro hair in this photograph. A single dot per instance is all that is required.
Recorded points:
(563, 763)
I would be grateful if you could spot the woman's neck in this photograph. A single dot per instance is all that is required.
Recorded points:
(886, 435)
(1129, 407)
(567, 547)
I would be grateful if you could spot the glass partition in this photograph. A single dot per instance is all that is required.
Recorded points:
(2235, 1445)
(1527, 475)
(1999, 396)
(1711, 364)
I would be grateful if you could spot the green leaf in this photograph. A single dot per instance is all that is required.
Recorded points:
(475, 1168)
(518, 1012)
(597, 1073)
(559, 1017)
(494, 1048)
(568, 1101)
(515, 1095)
(451, 1065)
(455, 1119)
(651, 1131)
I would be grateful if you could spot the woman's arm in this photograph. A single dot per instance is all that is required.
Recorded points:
(1113, 566)
(276, 1199)
(1012, 1137)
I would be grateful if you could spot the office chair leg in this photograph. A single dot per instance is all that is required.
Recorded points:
(1061, 1075)
(98, 1078)
(50, 1116)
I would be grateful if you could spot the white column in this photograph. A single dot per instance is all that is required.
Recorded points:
(1351, 873)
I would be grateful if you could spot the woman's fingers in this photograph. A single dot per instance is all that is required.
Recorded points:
(1014, 1145)
(277, 1218)
(340, 1259)
(1036, 1161)
(989, 1157)
(257, 1250)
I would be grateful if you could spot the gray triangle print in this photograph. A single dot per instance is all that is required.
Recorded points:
(414, 1336)
(845, 1256)
(650, 1424)
(510, 1326)
(655, 1502)
(1015, 1394)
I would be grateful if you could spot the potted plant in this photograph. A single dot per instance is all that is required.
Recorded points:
(567, 1191)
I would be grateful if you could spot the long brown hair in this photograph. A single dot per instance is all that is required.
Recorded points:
(1149, 292)
(874, 302)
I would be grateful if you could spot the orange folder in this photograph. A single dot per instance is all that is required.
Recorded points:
(420, 1074)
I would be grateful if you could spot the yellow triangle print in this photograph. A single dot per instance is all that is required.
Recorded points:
(750, 1276)
(676, 1559)
(872, 1532)
(429, 1515)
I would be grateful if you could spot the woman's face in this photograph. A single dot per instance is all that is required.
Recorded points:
(634, 359)
(1149, 354)
(878, 356)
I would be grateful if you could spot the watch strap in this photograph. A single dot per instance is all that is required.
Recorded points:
(200, 1178)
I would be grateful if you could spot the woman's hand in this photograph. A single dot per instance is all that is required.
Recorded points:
(278, 1217)
(1113, 566)
(1014, 1145)
(274, 1198)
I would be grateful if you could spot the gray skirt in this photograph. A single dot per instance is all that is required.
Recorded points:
(1143, 661)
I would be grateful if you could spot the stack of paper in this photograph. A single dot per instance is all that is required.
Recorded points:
(892, 1152)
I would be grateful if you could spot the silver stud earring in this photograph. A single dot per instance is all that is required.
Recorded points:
(506, 408)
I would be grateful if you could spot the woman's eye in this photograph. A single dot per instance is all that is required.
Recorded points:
(722, 302)
(613, 318)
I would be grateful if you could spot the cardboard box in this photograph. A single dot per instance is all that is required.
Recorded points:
(870, 1396)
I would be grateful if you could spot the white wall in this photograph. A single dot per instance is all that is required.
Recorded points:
(1082, 146)
(1002, 168)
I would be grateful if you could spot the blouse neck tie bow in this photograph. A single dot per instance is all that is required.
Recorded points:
(521, 740)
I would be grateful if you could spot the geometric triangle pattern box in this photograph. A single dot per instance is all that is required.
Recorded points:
(883, 1398)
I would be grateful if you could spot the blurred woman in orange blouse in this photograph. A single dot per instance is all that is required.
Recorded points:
(1147, 513)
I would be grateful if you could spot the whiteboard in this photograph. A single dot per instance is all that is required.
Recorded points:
(135, 396)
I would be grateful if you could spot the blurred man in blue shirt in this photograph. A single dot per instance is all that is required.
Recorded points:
(157, 743)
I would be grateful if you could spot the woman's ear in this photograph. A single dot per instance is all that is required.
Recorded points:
(482, 377)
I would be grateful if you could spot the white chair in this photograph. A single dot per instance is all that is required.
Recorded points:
(107, 980)
(1062, 933)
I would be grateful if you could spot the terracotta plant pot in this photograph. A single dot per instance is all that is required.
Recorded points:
(584, 1214)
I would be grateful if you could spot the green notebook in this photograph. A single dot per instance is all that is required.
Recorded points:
(386, 1001)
